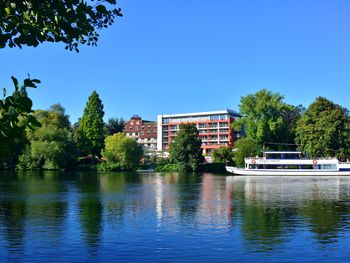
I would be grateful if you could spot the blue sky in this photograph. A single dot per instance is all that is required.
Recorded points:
(190, 55)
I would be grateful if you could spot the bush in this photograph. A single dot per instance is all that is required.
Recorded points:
(166, 168)
(115, 167)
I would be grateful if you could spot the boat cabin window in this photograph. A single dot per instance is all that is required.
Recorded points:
(287, 155)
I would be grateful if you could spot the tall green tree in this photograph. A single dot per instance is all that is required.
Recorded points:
(265, 117)
(51, 146)
(15, 118)
(324, 130)
(122, 150)
(186, 150)
(90, 133)
(114, 125)
(71, 22)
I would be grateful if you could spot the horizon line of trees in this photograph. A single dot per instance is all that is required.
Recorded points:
(45, 139)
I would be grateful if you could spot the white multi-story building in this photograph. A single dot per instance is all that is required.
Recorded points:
(214, 128)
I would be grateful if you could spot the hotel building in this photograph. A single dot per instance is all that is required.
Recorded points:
(214, 128)
(144, 132)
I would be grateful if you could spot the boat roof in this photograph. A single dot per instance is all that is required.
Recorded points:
(289, 152)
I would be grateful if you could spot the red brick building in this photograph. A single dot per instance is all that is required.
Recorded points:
(144, 132)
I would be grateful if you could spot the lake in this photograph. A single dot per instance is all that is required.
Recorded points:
(171, 217)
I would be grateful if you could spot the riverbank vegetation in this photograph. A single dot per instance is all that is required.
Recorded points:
(45, 139)
(321, 130)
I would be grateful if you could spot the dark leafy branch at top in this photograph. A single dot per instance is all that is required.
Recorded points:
(72, 22)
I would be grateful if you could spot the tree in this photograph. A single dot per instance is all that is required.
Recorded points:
(90, 135)
(245, 147)
(186, 150)
(114, 125)
(223, 154)
(264, 117)
(15, 118)
(71, 22)
(122, 150)
(324, 130)
(50, 146)
(30, 23)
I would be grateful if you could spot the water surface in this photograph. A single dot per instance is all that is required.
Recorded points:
(130, 217)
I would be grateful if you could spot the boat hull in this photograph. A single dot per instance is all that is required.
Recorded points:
(280, 172)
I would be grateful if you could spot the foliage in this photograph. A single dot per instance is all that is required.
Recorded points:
(266, 118)
(245, 147)
(114, 125)
(324, 130)
(222, 154)
(50, 146)
(90, 131)
(72, 22)
(162, 161)
(15, 117)
(108, 166)
(166, 168)
(186, 150)
(123, 150)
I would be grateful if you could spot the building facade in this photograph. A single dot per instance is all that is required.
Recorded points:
(144, 132)
(215, 128)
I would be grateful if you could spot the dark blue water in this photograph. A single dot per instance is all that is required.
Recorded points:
(89, 217)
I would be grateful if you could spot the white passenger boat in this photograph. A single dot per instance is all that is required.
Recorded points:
(290, 163)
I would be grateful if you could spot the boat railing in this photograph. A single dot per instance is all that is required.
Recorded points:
(303, 158)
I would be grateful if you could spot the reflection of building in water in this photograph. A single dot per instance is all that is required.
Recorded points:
(290, 189)
(174, 196)
(163, 195)
(216, 198)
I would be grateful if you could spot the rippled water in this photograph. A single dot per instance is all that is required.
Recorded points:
(120, 217)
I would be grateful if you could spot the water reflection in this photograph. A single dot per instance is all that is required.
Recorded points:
(134, 216)
(90, 208)
(273, 208)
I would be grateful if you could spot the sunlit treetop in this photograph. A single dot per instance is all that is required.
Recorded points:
(72, 22)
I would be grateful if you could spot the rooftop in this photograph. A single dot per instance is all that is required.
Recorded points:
(227, 111)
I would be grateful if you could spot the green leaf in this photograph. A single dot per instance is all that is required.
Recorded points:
(101, 9)
(8, 10)
(15, 82)
(29, 83)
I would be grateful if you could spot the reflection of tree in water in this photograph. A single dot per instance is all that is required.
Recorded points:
(188, 194)
(272, 209)
(13, 214)
(264, 227)
(326, 218)
(265, 224)
(90, 209)
(50, 211)
(113, 187)
(13, 217)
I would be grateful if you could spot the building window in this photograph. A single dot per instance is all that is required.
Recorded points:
(214, 117)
